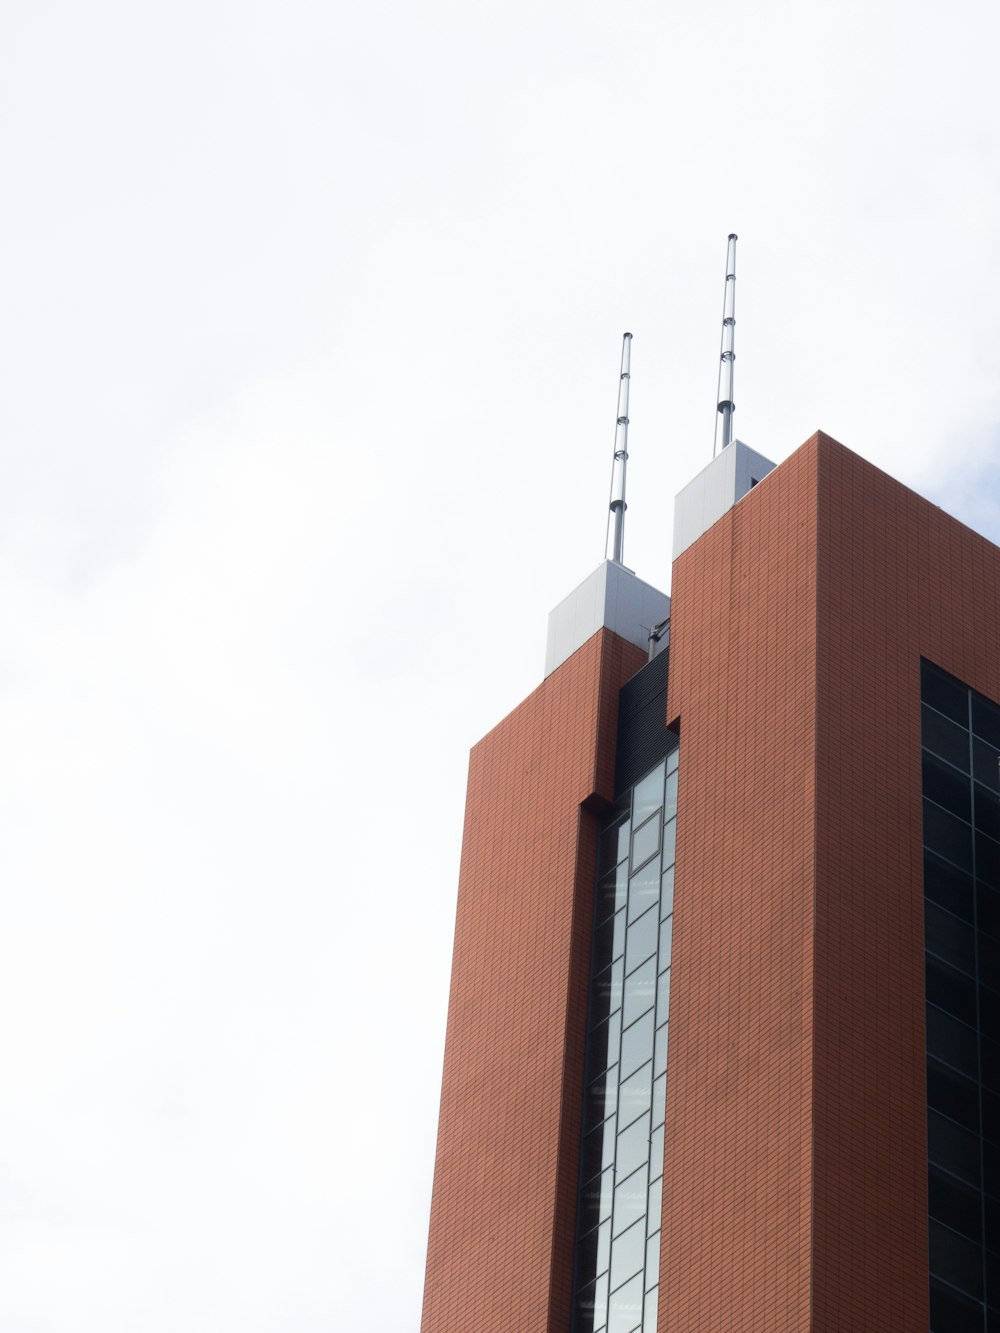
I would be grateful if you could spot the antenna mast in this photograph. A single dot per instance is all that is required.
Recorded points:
(618, 506)
(727, 355)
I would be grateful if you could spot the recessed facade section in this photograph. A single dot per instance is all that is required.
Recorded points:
(617, 1268)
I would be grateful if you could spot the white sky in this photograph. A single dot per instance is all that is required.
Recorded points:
(309, 337)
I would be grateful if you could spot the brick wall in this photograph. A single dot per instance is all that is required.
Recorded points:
(503, 1214)
(736, 1212)
(795, 1183)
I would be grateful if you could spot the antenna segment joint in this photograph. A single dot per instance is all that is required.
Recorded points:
(615, 535)
(725, 404)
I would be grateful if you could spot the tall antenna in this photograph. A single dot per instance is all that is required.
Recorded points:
(727, 355)
(618, 506)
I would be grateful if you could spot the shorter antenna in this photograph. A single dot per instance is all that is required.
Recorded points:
(727, 354)
(617, 507)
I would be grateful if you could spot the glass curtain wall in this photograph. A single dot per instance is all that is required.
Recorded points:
(618, 1221)
(961, 781)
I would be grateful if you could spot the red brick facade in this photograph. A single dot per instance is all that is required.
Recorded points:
(736, 1189)
(500, 1251)
(795, 1178)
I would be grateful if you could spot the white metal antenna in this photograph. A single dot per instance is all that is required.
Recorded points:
(727, 354)
(618, 506)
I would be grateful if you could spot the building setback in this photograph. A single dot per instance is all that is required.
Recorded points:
(776, 843)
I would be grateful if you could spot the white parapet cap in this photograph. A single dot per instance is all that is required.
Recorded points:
(731, 474)
(611, 598)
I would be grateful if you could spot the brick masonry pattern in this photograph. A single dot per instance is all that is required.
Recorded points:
(795, 1177)
(503, 1213)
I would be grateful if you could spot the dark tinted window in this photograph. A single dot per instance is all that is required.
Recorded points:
(952, 1312)
(948, 836)
(989, 961)
(985, 719)
(944, 693)
(590, 1306)
(609, 941)
(956, 1205)
(992, 1212)
(951, 990)
(962, 940)
(595, 1250)
(947, 886)
(952, 1095)
(595, 1198)
(988, 911)
(992, 1284)
(954, 1148)
(602, 1046)
(951, 742)
(988, 860)
(952, 1041)
(949, 938)
(598, 1149)
(945, 786)
(991, 1169)
(986, 763)
(614, 845)
(987, 811)
(991, 1116)
(989, 1063)
(611, 891)
(606, 992)
(601, 1096)
(989, 1009)
(956, 1259)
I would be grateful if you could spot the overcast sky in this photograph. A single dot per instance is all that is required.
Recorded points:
(310, 318)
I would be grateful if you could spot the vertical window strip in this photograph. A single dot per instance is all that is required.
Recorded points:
(617, 1248)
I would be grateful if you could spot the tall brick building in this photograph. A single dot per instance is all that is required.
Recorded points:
(723, 1046)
